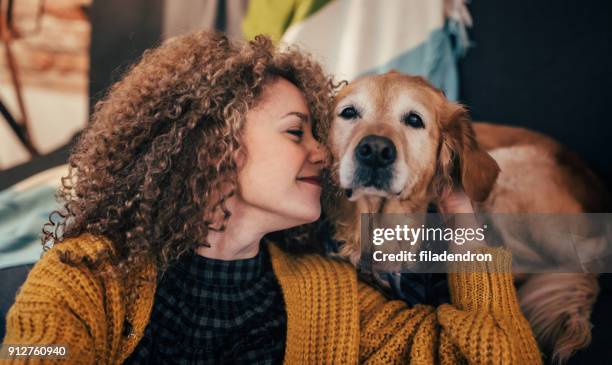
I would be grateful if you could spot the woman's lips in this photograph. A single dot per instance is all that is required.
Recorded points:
(315, 180)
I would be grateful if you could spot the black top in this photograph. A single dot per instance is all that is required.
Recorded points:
(209, 311)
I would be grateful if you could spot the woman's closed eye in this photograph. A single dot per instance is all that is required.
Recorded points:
(296, 132)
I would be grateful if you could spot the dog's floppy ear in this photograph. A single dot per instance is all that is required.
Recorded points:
(460, 157)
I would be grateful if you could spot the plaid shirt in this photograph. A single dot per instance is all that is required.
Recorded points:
(209, 311)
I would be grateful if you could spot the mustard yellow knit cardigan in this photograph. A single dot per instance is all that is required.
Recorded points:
(332, 317)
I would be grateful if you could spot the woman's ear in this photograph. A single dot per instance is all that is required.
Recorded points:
(460, 157)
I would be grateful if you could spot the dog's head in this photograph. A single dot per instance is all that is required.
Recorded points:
(395, 136)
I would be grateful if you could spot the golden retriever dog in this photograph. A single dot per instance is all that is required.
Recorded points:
(398, 145)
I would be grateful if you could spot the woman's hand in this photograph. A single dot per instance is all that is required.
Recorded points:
(456, 202)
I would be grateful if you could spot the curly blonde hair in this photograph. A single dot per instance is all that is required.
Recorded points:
(148, 172)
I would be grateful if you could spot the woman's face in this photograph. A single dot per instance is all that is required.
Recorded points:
(279, 181)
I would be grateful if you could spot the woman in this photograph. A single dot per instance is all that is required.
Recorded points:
(191, 161)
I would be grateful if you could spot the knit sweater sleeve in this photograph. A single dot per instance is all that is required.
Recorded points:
(483, 325)
(58, 304)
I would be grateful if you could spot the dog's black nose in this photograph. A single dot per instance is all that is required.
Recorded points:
(375, 151)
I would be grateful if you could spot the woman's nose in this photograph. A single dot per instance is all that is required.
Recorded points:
(319, 154)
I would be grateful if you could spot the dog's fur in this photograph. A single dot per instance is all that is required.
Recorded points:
(501, 168)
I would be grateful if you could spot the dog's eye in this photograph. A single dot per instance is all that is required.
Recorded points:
(414, 120)
(349, 113)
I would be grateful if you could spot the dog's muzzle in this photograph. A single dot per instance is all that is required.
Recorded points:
(375, 156)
